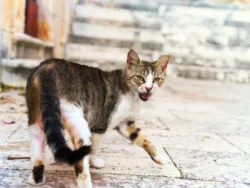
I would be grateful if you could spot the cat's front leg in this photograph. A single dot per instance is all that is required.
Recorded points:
(95, 160)
(136, 136)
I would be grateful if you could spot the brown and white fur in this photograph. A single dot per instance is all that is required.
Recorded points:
(88, 103)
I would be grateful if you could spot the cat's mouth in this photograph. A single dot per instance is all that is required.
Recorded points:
(144, 96)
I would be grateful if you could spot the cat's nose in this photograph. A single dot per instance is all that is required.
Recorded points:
(148, 89)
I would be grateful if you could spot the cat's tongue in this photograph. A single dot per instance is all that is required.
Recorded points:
(145, 96)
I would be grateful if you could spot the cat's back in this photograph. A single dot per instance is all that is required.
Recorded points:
(64, 76)
(63, 72)
(61, 66)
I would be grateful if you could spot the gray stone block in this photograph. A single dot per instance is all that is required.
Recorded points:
(117, 36)
(15, 72)
(101, 54)
(220, 166)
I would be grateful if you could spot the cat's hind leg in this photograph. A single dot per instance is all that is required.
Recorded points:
(78, 129)
(37, 154)
(83, 178)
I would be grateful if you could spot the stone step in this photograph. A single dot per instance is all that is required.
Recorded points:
(28, 47)
(150, 5)
(15, 72)
(116, 17)
(146, 5)
(116, 36)
(94, 53)
(120, 16)
(209, 73)
(235, 58)
(109, 58)
(101, 54)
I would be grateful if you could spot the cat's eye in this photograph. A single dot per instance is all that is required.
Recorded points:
(140, 78)
(158, 80)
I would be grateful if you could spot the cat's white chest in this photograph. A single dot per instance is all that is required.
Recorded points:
(127, 109)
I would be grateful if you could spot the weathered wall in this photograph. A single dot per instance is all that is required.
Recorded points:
(1, 28)
(210, 38)
(18, 49)
(53, 24)
(206, 40)
(61, 24)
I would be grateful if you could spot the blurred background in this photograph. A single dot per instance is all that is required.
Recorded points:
(207, 39)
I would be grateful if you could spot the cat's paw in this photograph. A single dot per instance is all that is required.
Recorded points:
(32, 182)
(159, 159)
(96, 162)
(83, 181)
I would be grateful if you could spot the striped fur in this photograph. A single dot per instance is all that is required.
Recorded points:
(81, 99)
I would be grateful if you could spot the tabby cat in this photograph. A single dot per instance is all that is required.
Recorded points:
(87, 102)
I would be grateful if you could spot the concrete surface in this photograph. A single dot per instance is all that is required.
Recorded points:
(201, 127)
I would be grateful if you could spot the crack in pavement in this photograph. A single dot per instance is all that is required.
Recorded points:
(232, 144)
(18, 127)
(172, 160)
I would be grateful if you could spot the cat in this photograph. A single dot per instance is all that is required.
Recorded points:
(87, 102)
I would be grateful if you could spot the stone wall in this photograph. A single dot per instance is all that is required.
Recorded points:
(17, 45)
(208, 38)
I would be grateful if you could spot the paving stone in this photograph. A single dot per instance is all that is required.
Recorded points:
(65, 179)
(219, 166)
(205, 134)
(145, 121)
(23, 149)
(110, 180)
(139, 162)
(193, 141)
(9, 123)
(241, 142)
(181, 140)
(18, 178)
(136, 161)
(217, 127)
(21, 134)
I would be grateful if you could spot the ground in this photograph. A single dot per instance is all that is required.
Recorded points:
(201, 128)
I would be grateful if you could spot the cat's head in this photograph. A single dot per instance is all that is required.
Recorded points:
(144, 77)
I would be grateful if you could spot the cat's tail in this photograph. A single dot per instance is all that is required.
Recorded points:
(51, 117)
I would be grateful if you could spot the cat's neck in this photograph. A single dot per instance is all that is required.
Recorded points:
(120, 79)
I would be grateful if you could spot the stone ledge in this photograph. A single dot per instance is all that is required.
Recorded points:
(117, 17)
(24, 63)
(101, 54)
(107, 14)
(21, 37)
(198, 72)
(15, 72)
(117, 36)
(151, 6)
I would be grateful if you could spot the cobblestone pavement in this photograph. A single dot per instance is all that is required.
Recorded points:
(201, 127)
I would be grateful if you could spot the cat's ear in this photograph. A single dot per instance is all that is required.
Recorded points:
(162, 62)
(132, 58)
